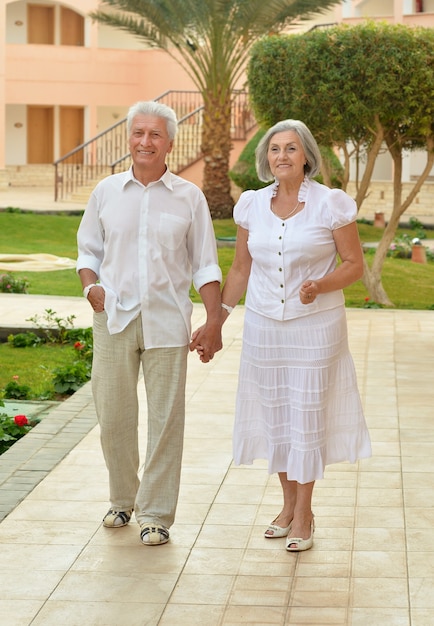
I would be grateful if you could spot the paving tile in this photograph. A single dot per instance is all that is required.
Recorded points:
(372, 560)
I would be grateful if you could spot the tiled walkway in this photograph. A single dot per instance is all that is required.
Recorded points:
(372, 563)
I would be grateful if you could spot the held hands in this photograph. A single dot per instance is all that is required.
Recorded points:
(308, 291)
(206, 340)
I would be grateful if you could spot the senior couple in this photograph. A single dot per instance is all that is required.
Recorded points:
(145, 235)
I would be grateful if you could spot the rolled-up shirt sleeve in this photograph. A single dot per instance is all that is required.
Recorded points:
(90, 241)
(206, 275)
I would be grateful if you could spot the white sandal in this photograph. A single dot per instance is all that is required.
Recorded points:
(297, 544)
(115, 518)
(275, 532)
(153, 534)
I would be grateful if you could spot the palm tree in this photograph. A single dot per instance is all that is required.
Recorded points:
(211, 40)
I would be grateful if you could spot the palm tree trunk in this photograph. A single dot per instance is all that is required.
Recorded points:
(216, 148)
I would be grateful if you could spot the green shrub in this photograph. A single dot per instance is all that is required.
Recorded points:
(13, 428)
(12, 284)
(24, 340)
(67, 380)
(333, 166)
(243, 172)
(16, 391)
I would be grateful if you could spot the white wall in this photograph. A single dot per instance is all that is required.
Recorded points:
(382, 168)
(417, 163)
(374, 8)
(109, 37)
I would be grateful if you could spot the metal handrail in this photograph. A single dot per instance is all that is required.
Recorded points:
(103, 154)
(326, 25)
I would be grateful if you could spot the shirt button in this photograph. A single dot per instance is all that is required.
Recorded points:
(281, 286)
(280, 269)
(279, 253)
(282, 301)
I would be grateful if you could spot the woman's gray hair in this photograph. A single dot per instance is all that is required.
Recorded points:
(150, 107)
(309, 145)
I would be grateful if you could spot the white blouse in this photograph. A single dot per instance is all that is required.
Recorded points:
(285, 253)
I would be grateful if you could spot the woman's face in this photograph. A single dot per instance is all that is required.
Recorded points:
(286, 156)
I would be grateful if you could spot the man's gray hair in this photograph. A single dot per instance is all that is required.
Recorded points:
(309, 145)
(150, 107)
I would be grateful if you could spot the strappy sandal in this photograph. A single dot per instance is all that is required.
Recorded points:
(154, 535)
(273, 531)
(115, 519)
(297, 544)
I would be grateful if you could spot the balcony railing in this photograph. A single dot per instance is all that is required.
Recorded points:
(105, 154)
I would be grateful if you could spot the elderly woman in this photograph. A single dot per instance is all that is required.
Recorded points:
(298, 405)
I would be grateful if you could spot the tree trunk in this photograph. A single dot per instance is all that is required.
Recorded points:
(216, 148)
(374, 286)
(346, 176)
(372, 153)
(372, 276)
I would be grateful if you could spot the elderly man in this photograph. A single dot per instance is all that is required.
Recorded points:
(145, 236)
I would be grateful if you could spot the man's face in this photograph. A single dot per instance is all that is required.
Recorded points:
(149, 142)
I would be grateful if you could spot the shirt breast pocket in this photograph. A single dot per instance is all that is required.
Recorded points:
(172, 230)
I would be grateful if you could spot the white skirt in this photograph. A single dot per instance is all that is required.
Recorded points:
(298, 405)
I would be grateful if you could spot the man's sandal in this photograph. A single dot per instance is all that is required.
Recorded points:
(115, 519)
(153, 535)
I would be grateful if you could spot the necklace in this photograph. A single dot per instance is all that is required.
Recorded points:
(286, 216)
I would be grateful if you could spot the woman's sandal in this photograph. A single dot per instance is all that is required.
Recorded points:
(153, 534)
(274, 532)
(297, 544)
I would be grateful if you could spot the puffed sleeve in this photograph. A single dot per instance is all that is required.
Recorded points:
(241, 209)
(342, 208)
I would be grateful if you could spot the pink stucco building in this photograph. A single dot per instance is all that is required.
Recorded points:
(64, 79)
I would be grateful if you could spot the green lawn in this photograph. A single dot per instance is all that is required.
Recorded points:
(34, 366)
(409, 285)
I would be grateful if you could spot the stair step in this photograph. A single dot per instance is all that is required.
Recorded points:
(38, 175)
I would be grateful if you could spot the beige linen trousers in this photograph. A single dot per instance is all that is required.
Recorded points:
(115, 371)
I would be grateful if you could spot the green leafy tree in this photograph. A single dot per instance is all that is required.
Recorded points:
(211, 40)
(365, 89)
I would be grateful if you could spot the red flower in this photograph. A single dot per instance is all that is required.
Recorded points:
(78, 345)
(366, 299)
(21, 420)
(15, 377)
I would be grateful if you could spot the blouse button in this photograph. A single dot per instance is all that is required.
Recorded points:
(281, 286)
(279, 253)
(280, 269)
(282, 301)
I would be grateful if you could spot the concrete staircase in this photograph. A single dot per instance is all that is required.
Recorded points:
(82, 194)
(38, 175)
